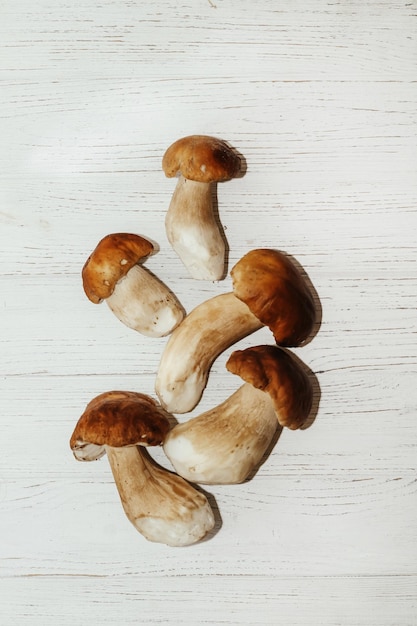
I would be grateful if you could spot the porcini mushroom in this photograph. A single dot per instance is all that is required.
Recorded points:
(268, 289)
(192, 229)
(227, 443)
(161, 505)
(136, 296)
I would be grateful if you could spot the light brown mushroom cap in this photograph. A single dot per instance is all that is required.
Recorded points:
(277, 373)
(118, 419)
(272, 287)
(112, 258)
(201, 158)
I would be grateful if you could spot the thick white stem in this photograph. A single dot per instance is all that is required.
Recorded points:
(204, 333)
(224, 445)
(194, 232)
(162, 506)
(144, 303)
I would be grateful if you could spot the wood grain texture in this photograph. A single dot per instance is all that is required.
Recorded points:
(320, 98)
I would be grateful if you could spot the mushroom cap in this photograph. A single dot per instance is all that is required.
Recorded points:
(201, 158)
(276, 372)
(112, 258)
(118, 419)
(272, 287)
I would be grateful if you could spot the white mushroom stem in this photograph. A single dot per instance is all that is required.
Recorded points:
(162, 506)
(193, 230)
(204, 333)
(225, 444)
(144, 303)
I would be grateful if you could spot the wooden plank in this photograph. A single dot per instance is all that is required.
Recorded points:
(320, 99)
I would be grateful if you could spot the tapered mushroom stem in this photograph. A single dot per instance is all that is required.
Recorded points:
(142, 302)
(162, 506)
(225, 444)
(193, 230)
(204, 333)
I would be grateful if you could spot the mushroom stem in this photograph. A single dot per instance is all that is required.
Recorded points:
(225, 444)
(206, 332)
(194, 232)
(144, 303)
(161, 505)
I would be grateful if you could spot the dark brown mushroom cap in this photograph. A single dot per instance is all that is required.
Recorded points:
(201, 158)
(276, 372)
(112, 258)
(275, 291)
(118, 419)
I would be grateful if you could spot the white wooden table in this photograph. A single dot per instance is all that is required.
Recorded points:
(320, 98)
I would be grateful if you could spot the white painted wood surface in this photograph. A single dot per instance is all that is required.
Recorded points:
(320, 98)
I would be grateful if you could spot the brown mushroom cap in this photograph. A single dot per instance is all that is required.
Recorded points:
(118, 419)
(112, 258)
(201, 158)
(276, 293)
(275, 372)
